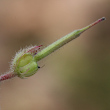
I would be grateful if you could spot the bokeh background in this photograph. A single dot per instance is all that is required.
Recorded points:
(75, 77)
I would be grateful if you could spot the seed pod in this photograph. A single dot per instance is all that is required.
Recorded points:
(24, 64)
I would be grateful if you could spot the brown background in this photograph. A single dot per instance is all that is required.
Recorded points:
(75, 77)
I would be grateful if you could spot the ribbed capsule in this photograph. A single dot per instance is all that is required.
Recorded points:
(24, 64)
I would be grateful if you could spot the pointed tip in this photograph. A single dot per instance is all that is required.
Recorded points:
(91, 25)
(103, 18)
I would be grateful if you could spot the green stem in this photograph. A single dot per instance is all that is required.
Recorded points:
(62, 41)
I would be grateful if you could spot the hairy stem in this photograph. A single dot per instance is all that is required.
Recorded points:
(7, 76)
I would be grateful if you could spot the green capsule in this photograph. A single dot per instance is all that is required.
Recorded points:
(24, 64)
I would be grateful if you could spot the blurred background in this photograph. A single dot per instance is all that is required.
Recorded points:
(75, 77)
